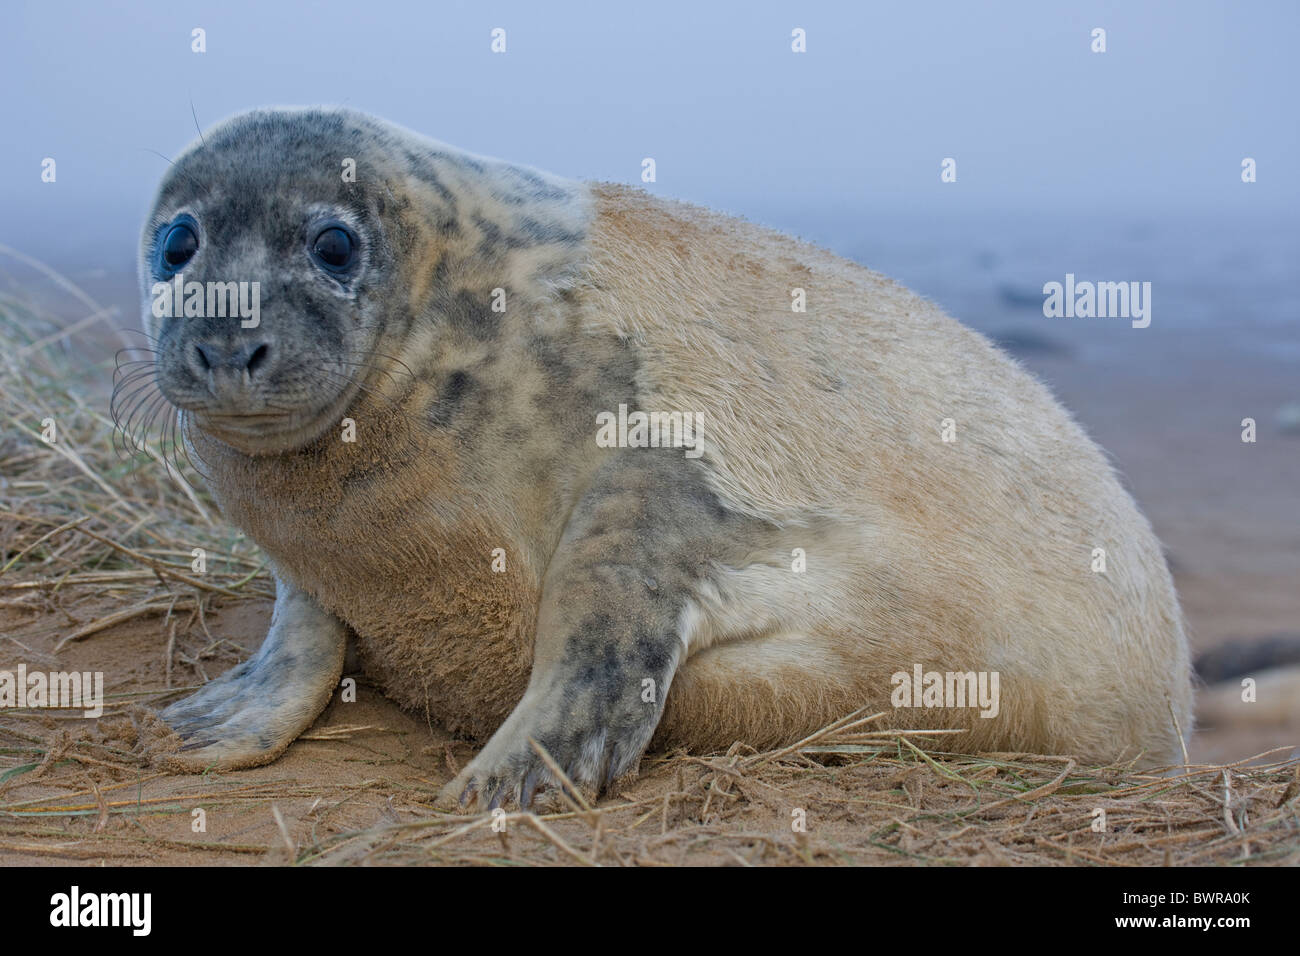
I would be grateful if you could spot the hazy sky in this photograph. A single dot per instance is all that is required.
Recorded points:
(1036, 121)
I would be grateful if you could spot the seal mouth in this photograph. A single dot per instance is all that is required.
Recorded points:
(270, 431)
(243, 418)
(253, 424)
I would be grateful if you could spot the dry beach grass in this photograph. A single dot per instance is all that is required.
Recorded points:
(95, 575)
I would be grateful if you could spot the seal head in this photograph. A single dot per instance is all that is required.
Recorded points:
(292, 254)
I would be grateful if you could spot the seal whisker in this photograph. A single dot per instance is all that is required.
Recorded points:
(143, 333)
(180, 430)
(136, 435)
(132, 404)
(122, 368)
(197, 128)
(171, 162)
(129, 382)
(392, 358)
(178, 447)
(377, 368)
(133, 370)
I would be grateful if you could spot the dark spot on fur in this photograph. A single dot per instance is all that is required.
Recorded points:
(552, 357)
(652, 655)
(472, 314)
(464, 162)
(423, 167)
(539, 232)
(495, 241)
(595, 625)
(450, 399)
(523, 234)
(539, 188)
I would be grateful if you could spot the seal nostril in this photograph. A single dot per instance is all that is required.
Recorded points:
(205, 360)
(258, 358)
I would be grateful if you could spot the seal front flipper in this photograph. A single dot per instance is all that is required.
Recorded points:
(608, 641)
(249, 715)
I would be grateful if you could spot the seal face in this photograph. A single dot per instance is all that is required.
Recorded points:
(563, 462)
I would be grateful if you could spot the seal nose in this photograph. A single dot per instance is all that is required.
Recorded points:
(249, 357)
(230, 370)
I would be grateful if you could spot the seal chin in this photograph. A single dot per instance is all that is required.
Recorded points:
(260, 434)
(267, 432)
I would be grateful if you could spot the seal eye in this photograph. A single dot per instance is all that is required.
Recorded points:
(179, 246)
(333, 247)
